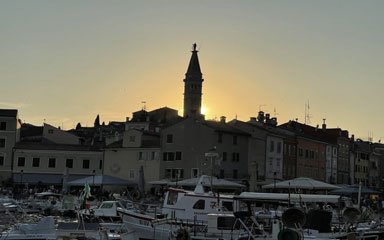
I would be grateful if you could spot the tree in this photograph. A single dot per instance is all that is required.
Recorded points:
(97, 121)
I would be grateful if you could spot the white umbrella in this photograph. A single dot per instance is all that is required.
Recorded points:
(217, 183)
(301, 183)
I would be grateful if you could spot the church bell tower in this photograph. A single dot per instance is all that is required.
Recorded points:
(193, 84)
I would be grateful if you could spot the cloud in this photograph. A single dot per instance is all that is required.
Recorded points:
(13, 104)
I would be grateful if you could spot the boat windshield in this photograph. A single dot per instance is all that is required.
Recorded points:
(172, 198)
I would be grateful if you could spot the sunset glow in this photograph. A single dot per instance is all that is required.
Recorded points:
(64, 63)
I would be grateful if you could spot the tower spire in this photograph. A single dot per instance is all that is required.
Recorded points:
(193, 86)
(194, 65)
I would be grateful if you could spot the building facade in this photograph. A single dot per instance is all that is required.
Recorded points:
(184, 146)
(9, 136)
(137, 153)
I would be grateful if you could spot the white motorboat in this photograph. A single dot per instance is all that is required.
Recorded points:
(43, 230)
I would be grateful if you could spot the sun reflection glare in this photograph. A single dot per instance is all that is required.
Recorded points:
(204, 110)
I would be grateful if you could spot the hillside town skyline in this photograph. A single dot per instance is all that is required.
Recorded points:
(163, 144)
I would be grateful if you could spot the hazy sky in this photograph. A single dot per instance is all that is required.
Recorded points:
(67, 61)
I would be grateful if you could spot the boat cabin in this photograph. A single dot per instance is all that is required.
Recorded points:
(189, 205)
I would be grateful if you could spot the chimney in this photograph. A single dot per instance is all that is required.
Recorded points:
(252, 119)
(222, 119)
(273, 121)
(260, 117)
(324, 126)
(267, 118)
(127, 119)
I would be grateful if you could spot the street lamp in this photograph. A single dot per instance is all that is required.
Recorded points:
(21, 179)
(212, 155)
(274, 181)
(93, 180)
(255, 177)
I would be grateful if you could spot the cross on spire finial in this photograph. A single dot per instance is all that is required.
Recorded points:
(194, 47)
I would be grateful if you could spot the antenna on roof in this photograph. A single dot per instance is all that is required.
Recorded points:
(370, 136)
(307, 117)
(260, 106)
(275, 113)
(144, 106)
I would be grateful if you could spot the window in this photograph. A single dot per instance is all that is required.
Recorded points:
(235, 157)
(69, 163)
(86, 163)
(169, 138)
(3, 126)
(21, 162)
(228, 206)
(52, 162)
(168, 173)
(153, 155)
(293, 153)
(194, 172)
(312, 154)
(35, 162)
(172, 198)
(169, 156)
(141, 156)
(220, 137)
(278, 147)
(131, 174)
(100, 164)
(1, 160)
(271, 146)
(200, 204)
(178, 156)
(2, 143)
(300, 152)
(50, 131)
(131, 138)
(177, 173)
(224, 156)
(234, 140)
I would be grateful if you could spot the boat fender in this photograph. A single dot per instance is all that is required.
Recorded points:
(351, 214)
(293, 217)
(136, 195)
(289, 234)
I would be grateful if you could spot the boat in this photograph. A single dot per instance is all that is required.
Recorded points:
(180, 208)
(304, 216)
(45, 229)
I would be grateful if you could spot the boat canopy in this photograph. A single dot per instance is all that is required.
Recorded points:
(285, 197)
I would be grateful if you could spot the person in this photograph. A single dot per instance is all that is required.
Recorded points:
(183, 233)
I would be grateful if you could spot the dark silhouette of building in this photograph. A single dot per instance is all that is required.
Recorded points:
(193, 84)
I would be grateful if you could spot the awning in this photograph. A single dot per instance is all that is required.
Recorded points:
(218, 183)
(46, 179)
(301, 183)
(99, 180)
